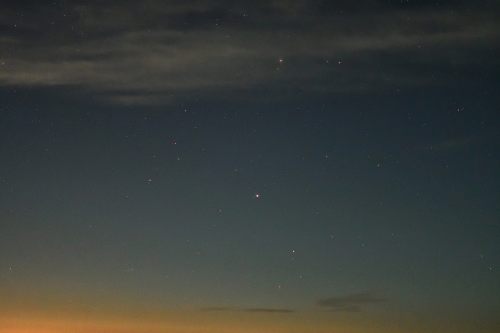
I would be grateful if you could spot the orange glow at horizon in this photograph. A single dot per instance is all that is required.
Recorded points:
(183, 321)
(199, 322)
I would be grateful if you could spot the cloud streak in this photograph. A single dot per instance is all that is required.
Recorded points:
(349, 303)
(251, 310)
(223, 48)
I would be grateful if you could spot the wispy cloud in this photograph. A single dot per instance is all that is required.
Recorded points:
(253, 310)
(156, 52)
(217, 309)
(269, 310)
(349, 303)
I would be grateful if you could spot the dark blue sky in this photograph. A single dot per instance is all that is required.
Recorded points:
(293, 156)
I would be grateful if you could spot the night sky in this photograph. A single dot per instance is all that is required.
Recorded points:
(281, 166)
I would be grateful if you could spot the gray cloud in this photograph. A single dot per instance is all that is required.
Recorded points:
(253, 310)
(346, 303)
(217, 309)
(269, 310)
(349, 303)
(155, 53)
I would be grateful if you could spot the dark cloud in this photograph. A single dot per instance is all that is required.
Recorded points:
(268, 310)
(217, 309)
(346, 303)
(349, 303)
(155, 52)
(254, 310)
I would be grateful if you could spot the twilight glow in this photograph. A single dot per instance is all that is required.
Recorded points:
(281, 166)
